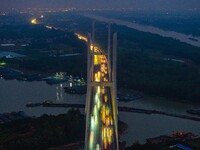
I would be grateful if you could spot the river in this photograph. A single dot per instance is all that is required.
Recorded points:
(189, 39)
(14, 95)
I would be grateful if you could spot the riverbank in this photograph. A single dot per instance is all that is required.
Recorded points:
(142, 50)
(156, 98)
(47, 131)
(15, 95)
(175, 35)
(178, 140)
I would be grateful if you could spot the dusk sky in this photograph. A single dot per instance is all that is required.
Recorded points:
(141, 4)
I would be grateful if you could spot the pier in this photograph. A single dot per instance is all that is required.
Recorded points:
(120, 108)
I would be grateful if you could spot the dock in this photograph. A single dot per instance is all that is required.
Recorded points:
(122, 109)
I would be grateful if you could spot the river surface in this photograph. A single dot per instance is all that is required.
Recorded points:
(14, 95)
(189, 39)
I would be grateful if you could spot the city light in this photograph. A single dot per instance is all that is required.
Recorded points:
(34, 21)
(81, 37)
(49, 27)
(2, 63)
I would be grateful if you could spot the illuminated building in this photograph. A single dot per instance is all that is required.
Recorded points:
(101, 106)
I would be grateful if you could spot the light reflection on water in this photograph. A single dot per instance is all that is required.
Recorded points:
(59, 93)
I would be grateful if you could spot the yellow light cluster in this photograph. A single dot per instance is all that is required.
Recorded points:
(101, 109)
(97, 76)
(107, 137)
(107, 121)
(81, 37)
(34, 21)
(97, 59)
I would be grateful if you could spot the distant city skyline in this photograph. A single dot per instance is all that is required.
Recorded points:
(134, 4)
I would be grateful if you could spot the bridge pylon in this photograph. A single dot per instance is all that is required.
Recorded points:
(101, 104)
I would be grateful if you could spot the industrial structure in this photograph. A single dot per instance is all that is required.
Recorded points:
(101, 105)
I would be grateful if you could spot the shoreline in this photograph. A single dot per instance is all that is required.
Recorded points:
(150, 29)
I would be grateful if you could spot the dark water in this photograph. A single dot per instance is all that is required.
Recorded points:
(14, 95)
